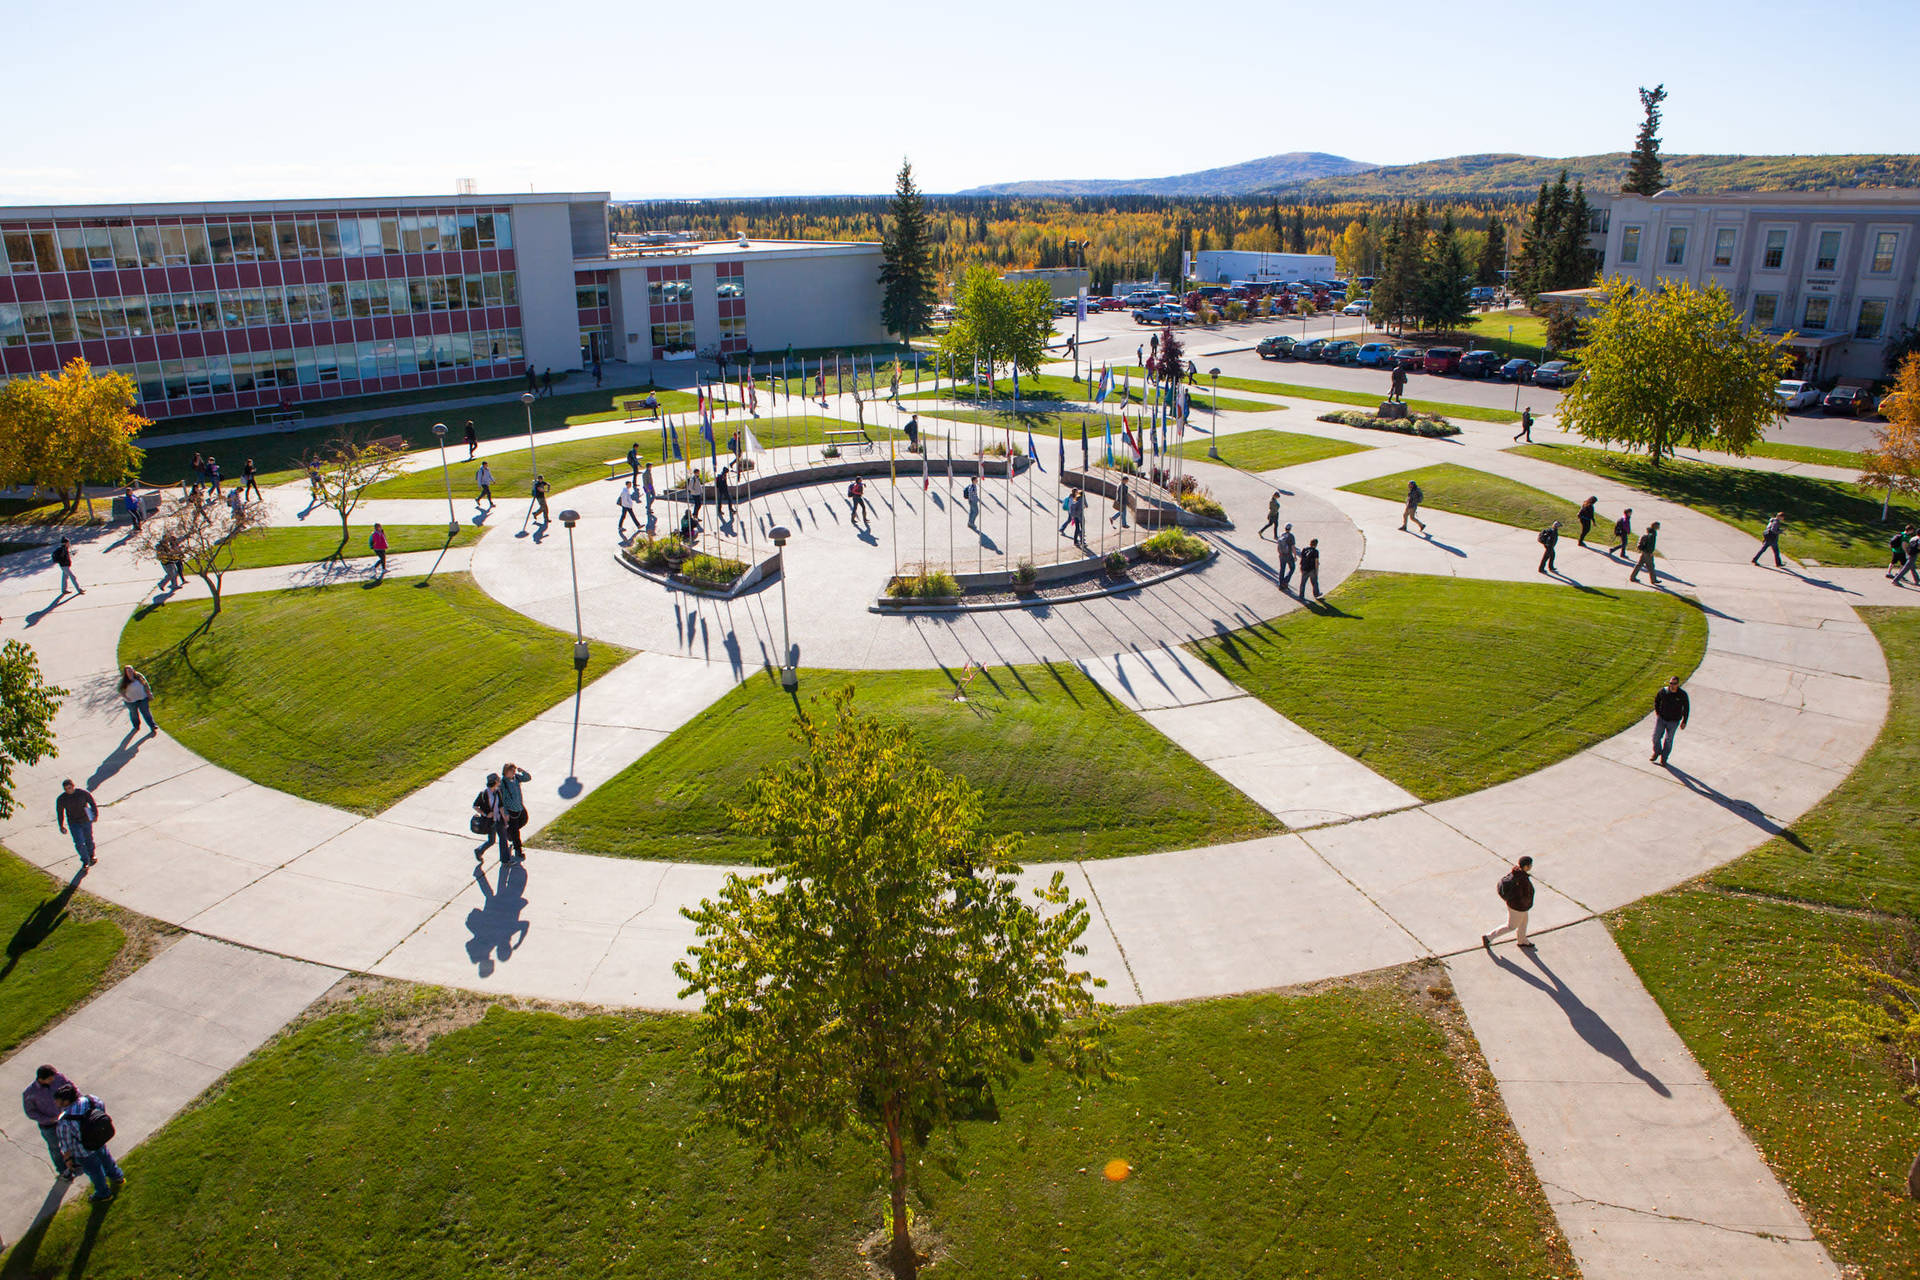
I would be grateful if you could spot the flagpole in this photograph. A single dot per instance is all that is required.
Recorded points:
(952, 556)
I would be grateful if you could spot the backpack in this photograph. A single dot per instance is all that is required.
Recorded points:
(1414, 494)
(1508, 888)
(1646, 542)
(1546, 536)
(96, 1128)
(1621, 528)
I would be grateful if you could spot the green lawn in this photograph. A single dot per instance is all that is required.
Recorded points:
(1809, 453)
(1055, 758)
(1484, 496)
(58, 946)
(1053, 389)
(1828, 521)
(1451, 685)
(351, 695)
(1741, 977)
(1364, 399)
(289, 545)
(1268, 450)
(1329, 1135)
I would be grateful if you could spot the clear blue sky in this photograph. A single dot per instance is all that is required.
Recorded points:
(146, 101)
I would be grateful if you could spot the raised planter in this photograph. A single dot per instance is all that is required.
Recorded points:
(1148, 512)
(864, 467)
(993, 584)
(757, 575)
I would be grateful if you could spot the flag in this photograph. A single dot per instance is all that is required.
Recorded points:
(1031, 451)
(1109, 441)
(1062, 438)
(1083, 445)
(1126, 435)
(890, 446)
(1106, 385)
(675, 433)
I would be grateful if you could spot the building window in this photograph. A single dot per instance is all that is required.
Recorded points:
(1884, 246)
(1816, 314)
(1629, 245)
(1676, 246)
(673, 336)
(1776, 255)
(1829, 255)
(1723, 247)
(1873, 318)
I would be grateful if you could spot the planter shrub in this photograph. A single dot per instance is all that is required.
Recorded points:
(1116, 564)
(658, 553)
(935, 584)
(709, 570)
(1414, 424)
(1025, 575)
(1202, 503)
(1171, 546)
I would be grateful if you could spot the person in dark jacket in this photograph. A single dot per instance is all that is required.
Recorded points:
(1516, 890)
(1549, 540)
(63, 556)
(1671, 710)
(1770, 537)
(471, 440)
(1646, 547)
(75, 812)
(40, 1101)
(1310, 568)
(1622, 533)
(1586, 518)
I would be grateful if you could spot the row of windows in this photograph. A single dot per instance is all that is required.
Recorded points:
(662, 291)
(162, 380)
(673, 336)
(262, 239)
(591, 295)
(1886, 248)
(208, 310)
(1817, 315)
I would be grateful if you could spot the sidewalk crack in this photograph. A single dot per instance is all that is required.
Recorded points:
(1574, 1197)
(1113, 933)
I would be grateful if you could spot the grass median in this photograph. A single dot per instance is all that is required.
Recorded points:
(1452, 685)
(59, 946)
(1828, 521)
(351, 695)
(412, 1134)
(1268, 450)
(1363, 399)
(1484, 496)
(280, 544)
(1056, 759)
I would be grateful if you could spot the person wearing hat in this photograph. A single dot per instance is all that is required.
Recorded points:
(41, 1103)
(1516, 890)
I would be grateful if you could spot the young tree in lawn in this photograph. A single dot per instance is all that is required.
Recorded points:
(1645, 175)
(1493, 254)
(27, 707)
(906, 266)
(998, 323)
(1169, 364)
(884, 974)
(69, 429)
(348, 465)
(1893, 463)
(201, 532)
(1673, 368)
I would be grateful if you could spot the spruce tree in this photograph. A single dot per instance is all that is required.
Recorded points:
(1570, 256)
(1297, 234)
(1493, 253)
(1644, 170)
(1536, 238)
(1443, 280)
(906, 266)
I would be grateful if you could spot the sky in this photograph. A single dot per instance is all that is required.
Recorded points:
(207, 101)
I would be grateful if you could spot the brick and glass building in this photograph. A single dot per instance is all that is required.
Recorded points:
(262, 304)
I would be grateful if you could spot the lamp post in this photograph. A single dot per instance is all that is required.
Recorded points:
(789, 678)
(1213, 441)
(570, 518)
(533, 460)
(1079, 305)
(440, 434)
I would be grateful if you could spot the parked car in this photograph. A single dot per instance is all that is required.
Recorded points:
(1359, 308)
(1890, 404)
(1340, 352)
(1556, 373)
(1309, 350)
(1479, 364)
(1374, 355)
(1412, 359)
(1852, 401)
(1481, 293)
(1111, 304)
(1275, 347)
(1155, 314)
(1791, 393)
(1179, 315)
(1517, 371)
(1442, 359)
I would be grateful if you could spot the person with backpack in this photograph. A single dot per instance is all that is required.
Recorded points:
(723, 496)
(1516, 890)
(1646, 547)
(1770, 537)
(250, 481)
(489, 818)
(1671, 711)
(1897, 546)
(540, 489)
(972, 494)
(1549, 541)
(63, 556)
(646, 491)
(134, 508)
(1310, 568)
(213, 474)
(1586, 517)
(85, 1129)
(627, 500)
(857, 503)
(1285, 546)
(484, 478)
(1622, 531)
(513, 807)
(1910, 567)
(1412, 512)
(378, 542)
(40, 1102)
(472, 440)
(1526, 425)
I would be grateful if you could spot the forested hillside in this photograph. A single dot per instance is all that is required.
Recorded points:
(1494, 176)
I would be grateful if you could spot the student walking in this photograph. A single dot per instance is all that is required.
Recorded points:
(972, 494)
(1771, 538)
(1120, 504)
(1586, 518)
(75, 813)
(514, 806)
(1622, 531)
(1526, 426)
(1906, 556)
(723, 495)
(633, 461)
(1549, 541)
(1076, 505)
(84, 1131)
(546, 382)
(173, 574)
(540, 488)
(41, 1103)
(857, 503)
(378, 541)
(646, 491)
(1285, 546)
(628, 499)
(1516, 890)
(489, 818)
(472, 440)
(1898, 546)
(1310, 568)
(1671, 710)
(213, 475)
(249, 481)
(198, 476)
(1412, 512)
(484, 478)
(1646, 548)
(1273, 515)
(137, 693)
(63, 556)
(596, 373)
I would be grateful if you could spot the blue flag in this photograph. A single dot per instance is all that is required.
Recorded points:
(1109, 441)
(1031, 451)
(1062, 438)
(674, 432)
(1106, 385)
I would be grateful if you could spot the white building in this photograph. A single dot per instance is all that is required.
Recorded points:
(1224, 266)
(1833, 272)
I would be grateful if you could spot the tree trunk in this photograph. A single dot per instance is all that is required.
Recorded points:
(900, 1254)
(213, 588)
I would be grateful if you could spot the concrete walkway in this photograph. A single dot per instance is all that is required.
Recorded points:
(148, 1047)
(1646, 1169)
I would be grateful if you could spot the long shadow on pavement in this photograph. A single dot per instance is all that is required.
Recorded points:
(1587, 1024)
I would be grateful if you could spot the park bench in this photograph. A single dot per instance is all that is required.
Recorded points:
(616, 467)
(836, 437)
(633, 409)
(278, 417)
(396, 443)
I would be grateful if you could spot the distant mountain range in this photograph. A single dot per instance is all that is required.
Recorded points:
(1233, 180)
(1317, 176)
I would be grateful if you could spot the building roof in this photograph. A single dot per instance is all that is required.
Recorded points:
(629, 256)
(1907, 197)
(320, 204)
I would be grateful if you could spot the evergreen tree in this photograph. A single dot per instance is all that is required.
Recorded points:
(1571, 260)
(1644, 173)
(1444, 284)
(1535, 241)
(906, 266)
(1297, 233)
(1493, 254)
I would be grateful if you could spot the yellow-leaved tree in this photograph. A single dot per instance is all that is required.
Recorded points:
(67, 430)
(1893, 463)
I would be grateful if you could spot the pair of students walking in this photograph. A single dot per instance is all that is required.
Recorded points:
(76, 1128)
(500, 813)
